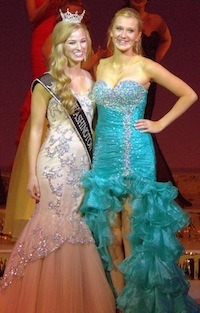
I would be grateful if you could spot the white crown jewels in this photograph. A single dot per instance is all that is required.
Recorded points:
(72, 17)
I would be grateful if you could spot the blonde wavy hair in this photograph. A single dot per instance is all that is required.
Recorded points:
(58, 60)
(129, 13)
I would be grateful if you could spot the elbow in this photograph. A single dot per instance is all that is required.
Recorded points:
(195, 96)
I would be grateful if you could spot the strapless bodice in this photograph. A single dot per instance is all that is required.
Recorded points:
(119, 147)
(124, 169)
(125, 95)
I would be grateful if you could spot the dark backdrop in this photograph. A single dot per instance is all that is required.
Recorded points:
(180, 142)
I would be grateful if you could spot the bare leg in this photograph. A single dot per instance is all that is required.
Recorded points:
(126, 228)
(117, 254)
(120, 248)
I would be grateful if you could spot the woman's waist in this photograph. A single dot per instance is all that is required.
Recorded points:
(124, 149)
(111, 118)
(120, 132)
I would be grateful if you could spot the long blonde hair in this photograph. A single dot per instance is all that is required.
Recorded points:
(129, 13)
(58, 60)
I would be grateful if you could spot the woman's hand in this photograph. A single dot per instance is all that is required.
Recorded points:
(33, 187)
(147, 126)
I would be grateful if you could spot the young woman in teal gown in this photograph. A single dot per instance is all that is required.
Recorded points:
(156, 41)
(133, 217)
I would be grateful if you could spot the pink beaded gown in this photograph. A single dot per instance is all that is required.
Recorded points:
(54, 266)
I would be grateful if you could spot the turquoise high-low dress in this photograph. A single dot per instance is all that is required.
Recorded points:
(124, 165)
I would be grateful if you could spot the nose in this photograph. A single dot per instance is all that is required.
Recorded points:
(78, 45)
(123, 34)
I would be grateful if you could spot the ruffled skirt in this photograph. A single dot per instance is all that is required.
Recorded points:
(154, 283)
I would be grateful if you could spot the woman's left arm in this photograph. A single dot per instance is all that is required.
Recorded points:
(165, 41)
(186, 97)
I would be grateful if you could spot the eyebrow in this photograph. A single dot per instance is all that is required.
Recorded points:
(76, 38)
(129, 28)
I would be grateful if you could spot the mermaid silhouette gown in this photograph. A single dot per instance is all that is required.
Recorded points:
(55, 266)
(124, 168)
(150, 45)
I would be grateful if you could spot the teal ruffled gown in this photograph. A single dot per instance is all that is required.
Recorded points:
(124, 165)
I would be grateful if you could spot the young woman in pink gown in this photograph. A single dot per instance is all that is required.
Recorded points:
(19, 208)
(54, 266)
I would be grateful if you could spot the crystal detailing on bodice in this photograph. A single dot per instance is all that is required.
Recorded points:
(127, 143)
(114, 98)
(124, 169)
(129, 150)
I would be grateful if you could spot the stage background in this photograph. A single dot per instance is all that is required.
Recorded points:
(180, 142)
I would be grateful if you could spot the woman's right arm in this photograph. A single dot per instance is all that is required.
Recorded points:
(39, 102)
(165, 41)
(36, 13)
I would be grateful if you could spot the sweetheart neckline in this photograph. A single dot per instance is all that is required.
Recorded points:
(122, 81)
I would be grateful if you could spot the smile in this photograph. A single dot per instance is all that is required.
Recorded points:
(122, 41)
(78, 53)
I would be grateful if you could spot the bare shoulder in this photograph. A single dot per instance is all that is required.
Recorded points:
(150, 67)
(86, 74)
(155, 17)
(87, 78)
(144, 62)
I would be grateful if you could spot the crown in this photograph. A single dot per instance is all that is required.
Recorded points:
(71, 17)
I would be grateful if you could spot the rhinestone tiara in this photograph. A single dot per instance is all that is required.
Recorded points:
(71, 17)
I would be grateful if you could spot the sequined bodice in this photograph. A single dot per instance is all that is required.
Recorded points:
(133, 95)
(119, 147)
